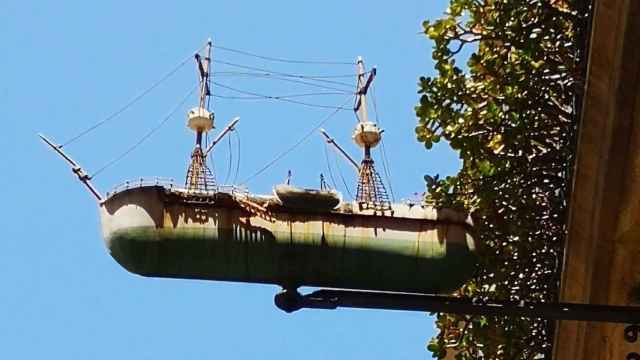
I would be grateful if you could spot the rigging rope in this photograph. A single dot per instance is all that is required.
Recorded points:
(294, 81)
(290, 61)
(209, 158)
(277, 98)
(237, 136)
(249, 73)
(298, 143)
(268, 72)
(344, 182)
(387, 172)
(319, 86)
(130, 102)
(226, 178)
(385, 163)
(326, 156)
(147, 135)
(227, 97)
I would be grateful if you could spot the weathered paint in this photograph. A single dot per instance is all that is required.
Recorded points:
(151, 233)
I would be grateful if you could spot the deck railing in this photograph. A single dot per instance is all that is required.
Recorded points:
(170, 184)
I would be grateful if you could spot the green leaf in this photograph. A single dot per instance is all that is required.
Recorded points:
(483, 321)
(496, 143)
(429, 180)
(455, 9)
(434, 347)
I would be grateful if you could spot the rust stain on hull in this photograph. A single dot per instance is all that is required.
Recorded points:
(152, 232)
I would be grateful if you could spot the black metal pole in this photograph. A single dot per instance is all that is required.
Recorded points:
(291, 300)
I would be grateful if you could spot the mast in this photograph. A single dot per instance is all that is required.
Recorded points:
(362, 88)
(371, 192)
(200, 120)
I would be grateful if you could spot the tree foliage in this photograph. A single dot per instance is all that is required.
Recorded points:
(511, 116)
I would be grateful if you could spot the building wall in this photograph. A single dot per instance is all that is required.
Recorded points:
(603, 246)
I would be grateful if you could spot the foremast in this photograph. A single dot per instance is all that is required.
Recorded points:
(201, 120)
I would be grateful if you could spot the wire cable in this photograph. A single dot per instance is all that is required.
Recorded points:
(268, 72)
(290, 61)
(278, 98)
(375, 105)
(344, 182)
(295, 145)
(228, 175)
(326, 156)
(385, 166)
(237, 136)
(209, 158)
(227, 97)
(130, 103)
(248, 73)
(385, 162)
(147, 135)
(290, 79)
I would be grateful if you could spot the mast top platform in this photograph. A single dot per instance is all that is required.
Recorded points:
(367, 134)
(200, 120)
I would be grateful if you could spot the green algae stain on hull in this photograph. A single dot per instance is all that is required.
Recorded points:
(152, 237)
(190, 253)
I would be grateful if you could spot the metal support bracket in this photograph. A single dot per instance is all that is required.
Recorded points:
(631, 333)
(291, 300)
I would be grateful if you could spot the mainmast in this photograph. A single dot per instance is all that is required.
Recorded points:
(200, 120)
(371, 192)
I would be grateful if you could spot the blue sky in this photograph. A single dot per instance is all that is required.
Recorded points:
(66, 65)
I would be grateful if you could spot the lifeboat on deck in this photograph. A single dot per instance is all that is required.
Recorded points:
(306, 199)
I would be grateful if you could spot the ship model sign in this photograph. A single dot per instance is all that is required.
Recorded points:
(291, 238)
